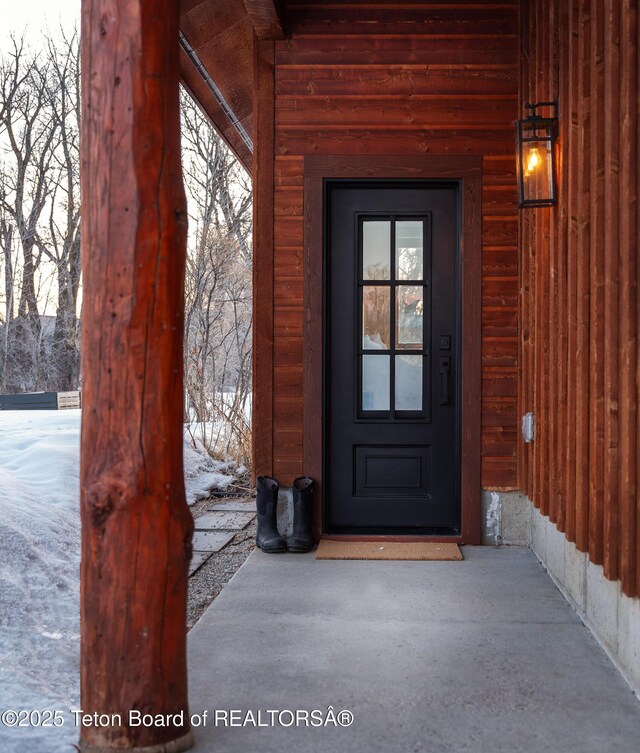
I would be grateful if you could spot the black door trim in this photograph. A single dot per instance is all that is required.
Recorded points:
(468, 172)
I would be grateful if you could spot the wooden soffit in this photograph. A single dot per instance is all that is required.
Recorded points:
(216, 62)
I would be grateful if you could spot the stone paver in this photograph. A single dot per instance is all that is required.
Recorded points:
(235, 506)
(197, 561)
(211, 541)
(224, 520)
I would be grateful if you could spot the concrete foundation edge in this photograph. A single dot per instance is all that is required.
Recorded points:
(612, 617)
(506, 517)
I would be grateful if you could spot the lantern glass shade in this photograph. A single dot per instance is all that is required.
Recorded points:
(536, 162)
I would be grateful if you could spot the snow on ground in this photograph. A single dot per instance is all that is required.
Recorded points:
(39, 568)
(39, 582)
(200, 472)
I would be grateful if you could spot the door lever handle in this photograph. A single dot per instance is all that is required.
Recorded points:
(445, 370)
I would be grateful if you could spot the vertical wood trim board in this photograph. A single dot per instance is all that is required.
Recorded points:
(263, 201)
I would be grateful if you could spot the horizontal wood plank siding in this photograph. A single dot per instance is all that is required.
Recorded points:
(414, 79)
(579, 370)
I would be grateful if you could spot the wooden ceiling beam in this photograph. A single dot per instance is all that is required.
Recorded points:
(266, 17)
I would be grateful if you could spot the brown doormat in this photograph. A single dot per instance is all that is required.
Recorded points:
(387, 550)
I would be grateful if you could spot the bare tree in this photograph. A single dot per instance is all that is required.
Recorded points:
(27, 126)
(218, 187)
(39, 213)
(40, 235)
(61, 243)
(218, 290)
(7, 251)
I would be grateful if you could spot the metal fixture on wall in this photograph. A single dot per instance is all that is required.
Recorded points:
(528, 427)
(536, 138)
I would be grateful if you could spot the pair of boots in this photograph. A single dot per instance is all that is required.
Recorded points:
(268, 538)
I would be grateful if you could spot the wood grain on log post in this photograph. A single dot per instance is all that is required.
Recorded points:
(136, 541)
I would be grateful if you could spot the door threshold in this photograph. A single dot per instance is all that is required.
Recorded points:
(391, 538)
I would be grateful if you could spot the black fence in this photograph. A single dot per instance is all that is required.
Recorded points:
(41, 401)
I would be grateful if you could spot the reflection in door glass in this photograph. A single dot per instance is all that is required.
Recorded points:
(409, 250)
(375, 382)
(408, 383)
(409, 316)
(376, 248)
(376, 320)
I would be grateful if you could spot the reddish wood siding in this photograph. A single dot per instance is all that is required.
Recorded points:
(415, 79)
(579, 275)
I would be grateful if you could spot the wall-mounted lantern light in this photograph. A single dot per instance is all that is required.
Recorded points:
(536, 137)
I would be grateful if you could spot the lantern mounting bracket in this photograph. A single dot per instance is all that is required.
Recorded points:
(534, 107)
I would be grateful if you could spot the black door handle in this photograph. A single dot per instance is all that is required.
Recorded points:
(445, 370)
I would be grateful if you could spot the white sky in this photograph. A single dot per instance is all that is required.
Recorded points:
(31, 18)
(34, 16)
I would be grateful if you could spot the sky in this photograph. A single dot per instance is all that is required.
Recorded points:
(33, 17)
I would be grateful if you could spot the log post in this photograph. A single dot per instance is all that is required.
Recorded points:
(136, 526)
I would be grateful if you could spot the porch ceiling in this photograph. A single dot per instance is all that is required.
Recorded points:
(216, 62)
(216, 59)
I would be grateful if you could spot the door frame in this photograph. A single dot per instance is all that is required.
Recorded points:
(467, 172)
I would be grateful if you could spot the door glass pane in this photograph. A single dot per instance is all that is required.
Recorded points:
(375, 382)
(376, 249)
(409, 250)
(376, 319)
(408, 383)
(409, 316)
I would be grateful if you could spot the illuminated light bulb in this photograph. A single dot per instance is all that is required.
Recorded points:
(533, 161)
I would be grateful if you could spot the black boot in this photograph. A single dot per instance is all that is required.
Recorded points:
(302, 539)
(268, 538)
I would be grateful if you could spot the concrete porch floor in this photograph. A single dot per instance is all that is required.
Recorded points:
(483, 656)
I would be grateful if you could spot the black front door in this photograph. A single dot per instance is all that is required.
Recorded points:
(391, 457)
